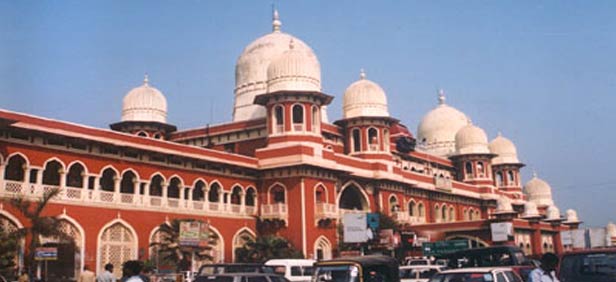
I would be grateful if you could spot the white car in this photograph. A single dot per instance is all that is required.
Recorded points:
(478, 274)
(417, 261)
(418, 273)
(296, 270)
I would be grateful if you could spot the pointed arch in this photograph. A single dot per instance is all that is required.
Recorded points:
(15, 167)
(421, 210)
(75, 174)
(412, 208)
(175, 187)
(117, 235)
(393, 203)
(277, 193)
(157, 181)
(198, 190)
(239, 240)
(80, 242)
(54, 159)
(107, 178)
(361, 203)
(322, 248)
(52, 171)
(219, 255)
(215, 192)
(320, 193)
(251, 199)
(237, 192)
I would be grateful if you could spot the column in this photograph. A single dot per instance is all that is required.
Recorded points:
(2, 186)
(536, 239)
(116, 189)
(190, 197)
(164, 195)
(221, 201)
(37, 188)
(84, 186)
(558, 242)
(146, 193)
(206, 200)
(97, 188)
(136, 188)
(62, 174)
(242, 202)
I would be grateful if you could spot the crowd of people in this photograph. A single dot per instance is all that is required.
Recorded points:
(132, 271)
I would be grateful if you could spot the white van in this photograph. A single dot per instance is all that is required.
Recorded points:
(296, 270)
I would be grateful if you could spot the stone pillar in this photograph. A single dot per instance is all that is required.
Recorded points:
(116, 189)
(136, 188)
(62, 174)
(84, 186)
(206, 200)
(558, 242)
(221, 201)
(242, 202)
(164, 195)
(536, 239)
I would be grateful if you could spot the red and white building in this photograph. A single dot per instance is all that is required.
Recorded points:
(280, 166)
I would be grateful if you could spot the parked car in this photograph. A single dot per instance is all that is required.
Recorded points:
(357, 269)
(219, 268)
(595, 265)
(478, 274)
(296, 270)
(242, 277)
(509, 256)
(418, 273)
(417, 261)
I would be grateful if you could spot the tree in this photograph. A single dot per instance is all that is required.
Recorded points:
(265, 248)
(171, 252)
(38, 225)
(9, 245)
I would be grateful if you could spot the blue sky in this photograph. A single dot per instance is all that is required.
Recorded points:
(541, 72)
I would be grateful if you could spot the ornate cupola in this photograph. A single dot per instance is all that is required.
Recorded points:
(472, 156)
(294, 100)
(506, 166)
(144, 113)
(366, 119)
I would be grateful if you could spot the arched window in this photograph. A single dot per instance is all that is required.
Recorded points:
(316, 119)
(14, 170)
(465, 214)
(499, 178)
(373, 139)
(480, 169)
(277, 195)
(477, 215)
(51, 174)
(278, 119)
(198, 191)
(319, 194)
(352, 198)
(156, 186)
(356, 136)
(444, 213)
(469, 170)
(158, 136)
(175, 186)
(142, 134)
(511, 178)
(393, 204)
(236, 195)
(74, 177)
(117, 245)
(437, 213)
(452, 214)
(250, 197)
(412, 208)
(107, 181)
(240, 240)
(298, 117)
(127, 185)
(214, 195)
(421, 211)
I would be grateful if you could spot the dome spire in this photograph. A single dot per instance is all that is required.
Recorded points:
(441, 97)
(534, 174)
(276, 23)
(146, 79)
(362, 74)
(291, 44)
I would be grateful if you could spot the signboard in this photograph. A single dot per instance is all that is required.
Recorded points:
(46, 253)
(597, 237)
(578, 238)
(373, 220)
(355, 228)
(204, 235)
(566, 237)
(501, 231)
(194, 234)
(444, 247)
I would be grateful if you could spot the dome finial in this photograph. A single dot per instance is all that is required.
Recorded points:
(534, 174)
(362, 74)
(146, 79)
(291, 44)
(276, 23)
(499, 134)
(441, 97)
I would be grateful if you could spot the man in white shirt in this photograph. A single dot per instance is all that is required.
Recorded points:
(546, 272)
(107, 275)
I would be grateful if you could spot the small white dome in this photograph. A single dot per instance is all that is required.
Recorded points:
(294, 70)
(252, 67)
(530, 210)
(437, 130)
(144, 103)
(503, 205)
(552, 213)
(504, 150)
(471, 139)
(572, 216)
(539, 192)
(364, 98)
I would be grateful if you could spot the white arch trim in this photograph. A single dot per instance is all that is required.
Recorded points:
(100, 234)
(82, 233)
(178, 177)
(197, 181)
(131, 170)
(85, 168)
(112, 168)
(359, 187)
(159, 174)
(237, 234)
(54, 159)
(10, 217)
(8, 158)
(221, 241)
(317, 243)
(269, 190)
(314, 190)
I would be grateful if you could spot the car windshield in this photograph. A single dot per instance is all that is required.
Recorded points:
(336, 273)
(463, 277)
(589, 268)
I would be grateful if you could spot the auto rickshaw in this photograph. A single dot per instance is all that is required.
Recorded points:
(357, 269)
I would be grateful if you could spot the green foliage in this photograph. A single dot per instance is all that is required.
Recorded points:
(9, 245)
(171, 253)
(265, 248)
(38, 225)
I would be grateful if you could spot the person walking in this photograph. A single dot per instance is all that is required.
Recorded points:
(132, 271)
(107, 275)
(87, 275)
(546, 272)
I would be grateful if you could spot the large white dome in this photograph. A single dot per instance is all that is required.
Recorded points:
(437, 130)
(144, 103)
(364, 98)
(294, 70)
(539, 192)
(471, 139)
(505, 151)
(251, 69)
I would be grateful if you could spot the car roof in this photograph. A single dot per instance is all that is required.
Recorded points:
(244, 274)
(476, 270)
(291, 261)
(591, 251)
(431, 266)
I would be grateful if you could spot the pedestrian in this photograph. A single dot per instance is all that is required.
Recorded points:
(107, 275)
(24, 277)
(546, 272)
(87, 275)
(131, 271)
